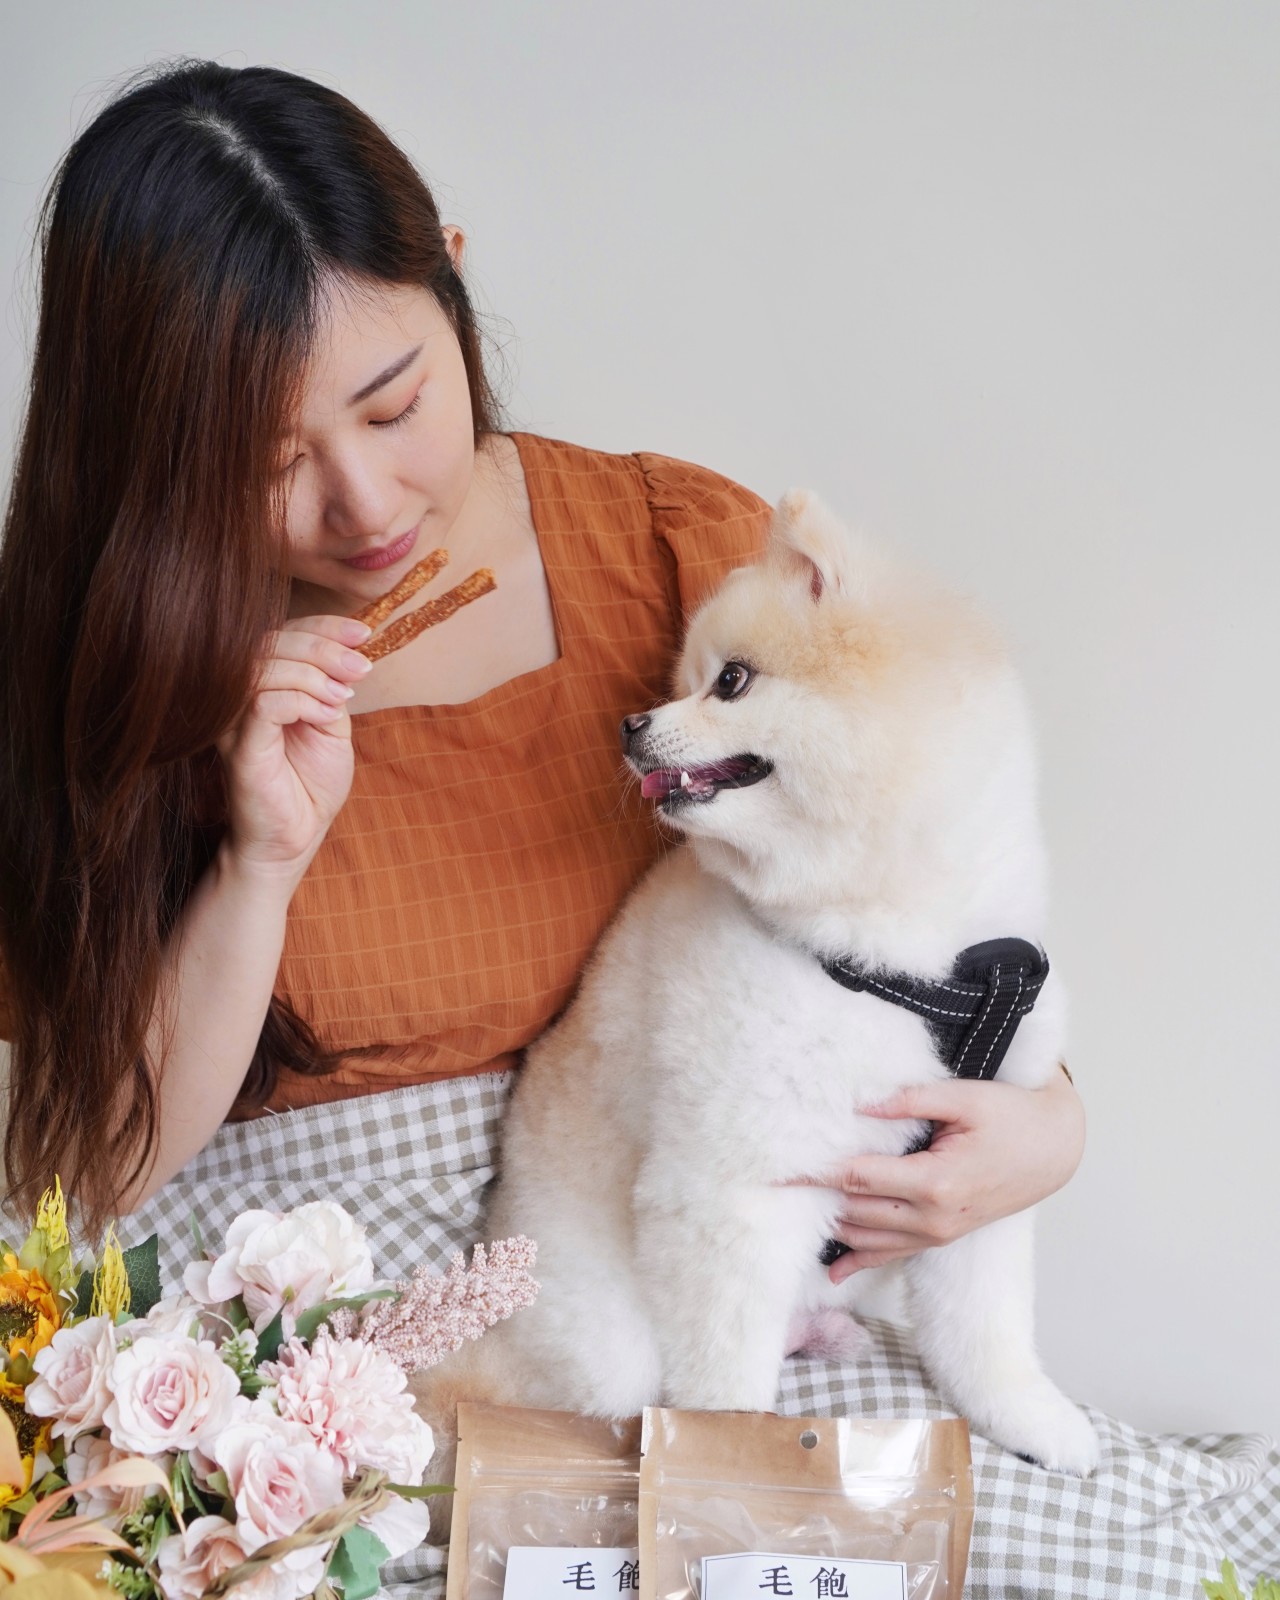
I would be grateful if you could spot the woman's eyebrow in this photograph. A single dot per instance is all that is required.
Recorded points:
(385, 376)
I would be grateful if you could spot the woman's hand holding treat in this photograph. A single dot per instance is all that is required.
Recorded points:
(288, 765)
(288, 760)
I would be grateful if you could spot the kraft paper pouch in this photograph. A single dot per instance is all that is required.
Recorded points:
(825, 1508)
(538, 1490)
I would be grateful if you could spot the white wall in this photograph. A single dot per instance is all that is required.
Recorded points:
(1000, 280)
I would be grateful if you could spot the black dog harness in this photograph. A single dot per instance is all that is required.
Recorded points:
(972, 1015)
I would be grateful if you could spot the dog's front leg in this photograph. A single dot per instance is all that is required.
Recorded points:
(722, 1274)
(972, 1305)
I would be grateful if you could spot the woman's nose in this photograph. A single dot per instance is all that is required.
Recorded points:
(362, 498)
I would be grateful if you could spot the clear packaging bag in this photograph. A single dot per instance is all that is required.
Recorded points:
(530, 1481)
(825, 1508)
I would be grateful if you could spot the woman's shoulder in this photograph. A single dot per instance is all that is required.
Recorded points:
(669, 483)
(703, 522)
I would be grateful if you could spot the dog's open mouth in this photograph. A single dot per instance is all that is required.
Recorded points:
(703, 783)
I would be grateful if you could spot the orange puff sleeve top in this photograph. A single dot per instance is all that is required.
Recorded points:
(483, 847)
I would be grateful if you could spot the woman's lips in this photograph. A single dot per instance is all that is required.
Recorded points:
(386, 557)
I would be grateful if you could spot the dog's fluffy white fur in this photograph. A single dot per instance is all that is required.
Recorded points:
(708, 1057)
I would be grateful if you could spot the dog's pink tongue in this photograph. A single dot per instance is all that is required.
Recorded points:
(656, 785)
(697, 781)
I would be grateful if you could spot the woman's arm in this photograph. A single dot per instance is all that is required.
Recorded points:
(996, 1149)
(224, 963)
(288, 765)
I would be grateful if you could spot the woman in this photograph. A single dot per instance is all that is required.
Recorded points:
(239, 868)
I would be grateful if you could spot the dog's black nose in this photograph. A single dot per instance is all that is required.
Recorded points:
(632, 725)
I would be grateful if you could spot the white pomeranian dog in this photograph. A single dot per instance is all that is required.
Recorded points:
(850, 760)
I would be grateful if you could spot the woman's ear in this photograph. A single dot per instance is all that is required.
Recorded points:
(455, 242)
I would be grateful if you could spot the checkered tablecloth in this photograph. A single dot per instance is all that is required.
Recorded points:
(1159, 1513)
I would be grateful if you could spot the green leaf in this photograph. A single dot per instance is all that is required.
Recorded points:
(161, 1528)
(237, 1316)
(142, 1264)
(198, 1237)
(84, 1294)
(218, 1484)
(1228, 1589)
(271, 1338)
(355, 1562)
(420, 1491)
(183, 1480)
(309, 1321)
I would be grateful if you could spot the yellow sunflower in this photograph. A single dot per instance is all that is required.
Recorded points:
(29, 1318)
(30, 1435)
(29, 1311)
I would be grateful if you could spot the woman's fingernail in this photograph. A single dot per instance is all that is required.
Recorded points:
(355, 632)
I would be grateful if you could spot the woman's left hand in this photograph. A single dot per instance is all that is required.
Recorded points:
(996, 1149)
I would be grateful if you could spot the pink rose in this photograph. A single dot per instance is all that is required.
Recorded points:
(190, 1562)
(89, 1454)
(169, 1393)
(278, 1477)
(71, 1382)
(354, 1400)
(312, 1253)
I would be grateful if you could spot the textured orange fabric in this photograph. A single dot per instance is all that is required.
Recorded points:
(483, 847)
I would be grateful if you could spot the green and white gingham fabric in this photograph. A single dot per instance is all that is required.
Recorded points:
(1160, 1512)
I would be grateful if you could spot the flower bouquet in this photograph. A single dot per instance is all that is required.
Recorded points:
(253, 1432)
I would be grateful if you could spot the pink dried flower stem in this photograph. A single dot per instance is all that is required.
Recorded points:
(438, 1312)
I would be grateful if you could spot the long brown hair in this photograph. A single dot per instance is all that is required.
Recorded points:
(185, 242)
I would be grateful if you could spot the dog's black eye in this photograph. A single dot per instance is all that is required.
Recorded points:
(733, 679)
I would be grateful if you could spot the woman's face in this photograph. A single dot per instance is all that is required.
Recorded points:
(383, 453)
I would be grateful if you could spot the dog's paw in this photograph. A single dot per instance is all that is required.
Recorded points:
(827, 1334)
(1047, 1430)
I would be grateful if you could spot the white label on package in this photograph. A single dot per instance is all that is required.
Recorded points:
(558, 1572)
(764, 1577)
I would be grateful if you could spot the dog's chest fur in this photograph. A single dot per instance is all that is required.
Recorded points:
(697, 1030)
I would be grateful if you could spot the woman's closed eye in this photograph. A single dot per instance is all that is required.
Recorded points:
(403, 416)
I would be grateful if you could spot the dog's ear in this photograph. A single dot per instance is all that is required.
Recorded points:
(808, 541)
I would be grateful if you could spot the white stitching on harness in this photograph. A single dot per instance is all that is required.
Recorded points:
(973, 1031)
(923, 1004)
(982, 1070)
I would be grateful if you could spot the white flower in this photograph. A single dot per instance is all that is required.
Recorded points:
(71, 1381)
(295, 1260)
(402, 1525)
(177, 1315)
(89, 1454)
(278, 1477)
(190, 1562)
(354, 1400)
(239, 1349)
(169, 1393)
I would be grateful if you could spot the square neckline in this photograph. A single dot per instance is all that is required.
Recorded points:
(522, 682)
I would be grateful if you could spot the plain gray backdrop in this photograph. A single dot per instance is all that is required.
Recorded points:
(1000, 280)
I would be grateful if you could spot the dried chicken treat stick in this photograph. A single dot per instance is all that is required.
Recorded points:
(377, 612)
(428, 614)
